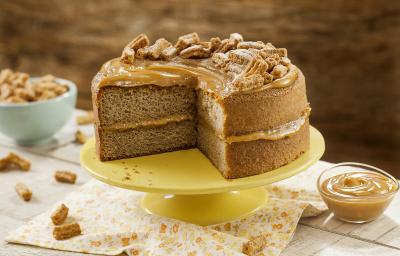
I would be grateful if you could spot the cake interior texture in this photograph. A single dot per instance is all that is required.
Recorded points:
(149, 119)
(146, 120)
(170, 106)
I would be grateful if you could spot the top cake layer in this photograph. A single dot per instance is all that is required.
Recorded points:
(224, 67)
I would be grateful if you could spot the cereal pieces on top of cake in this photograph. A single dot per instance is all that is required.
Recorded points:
(247, 64)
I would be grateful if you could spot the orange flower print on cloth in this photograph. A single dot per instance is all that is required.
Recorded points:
(113, 222)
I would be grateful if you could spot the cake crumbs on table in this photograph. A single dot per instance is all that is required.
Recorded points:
(67, 231)
(65, 176)
(23, 191)
(60, 214)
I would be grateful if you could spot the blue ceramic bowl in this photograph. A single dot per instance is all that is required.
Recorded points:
(36, 122)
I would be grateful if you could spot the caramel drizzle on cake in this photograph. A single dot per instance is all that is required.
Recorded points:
(277, 133)
(238, 66)
(159, 122)
(247, 66)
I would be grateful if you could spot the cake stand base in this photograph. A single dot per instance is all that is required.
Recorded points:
(184, 184)
(206, 209)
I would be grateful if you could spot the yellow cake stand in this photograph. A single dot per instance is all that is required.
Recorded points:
(185, 185)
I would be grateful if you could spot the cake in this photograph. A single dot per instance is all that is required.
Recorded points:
(243, 104)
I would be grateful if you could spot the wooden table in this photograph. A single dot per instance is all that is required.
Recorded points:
(321, 235)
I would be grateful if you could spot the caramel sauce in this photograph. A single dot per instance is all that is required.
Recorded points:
(149, 123)
(358, 196)
(277, 133)
(285, 81)
(358, 184)
(285, 130)
(200, 74)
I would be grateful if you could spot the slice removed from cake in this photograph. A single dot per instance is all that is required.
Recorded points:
(243, 104)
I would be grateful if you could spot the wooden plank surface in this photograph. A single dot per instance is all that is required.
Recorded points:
(46, 192)
(385, 230)
(309, 241)
(347, 49)
(323, 235)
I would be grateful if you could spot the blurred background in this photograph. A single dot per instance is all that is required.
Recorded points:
(349, 51)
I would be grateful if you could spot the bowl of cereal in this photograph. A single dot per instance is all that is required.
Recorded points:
(33, 109)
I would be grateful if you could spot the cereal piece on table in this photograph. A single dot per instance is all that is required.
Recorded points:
(85, 119)
(65, 177)
(66, 231)
(4, 162)
(60, 214)
(255, 245)
(22, 163)
(80, 137)
(23, 191)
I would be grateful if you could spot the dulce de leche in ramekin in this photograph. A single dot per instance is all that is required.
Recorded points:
(357, 192)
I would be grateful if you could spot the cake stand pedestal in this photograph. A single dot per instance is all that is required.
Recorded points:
(184, 185)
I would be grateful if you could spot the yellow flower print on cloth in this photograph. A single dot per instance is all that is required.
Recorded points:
(113, 222)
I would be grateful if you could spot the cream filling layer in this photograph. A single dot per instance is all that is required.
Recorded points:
(276, 133)
(148, 123)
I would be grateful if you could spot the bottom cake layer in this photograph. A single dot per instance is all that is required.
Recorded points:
(241, 159)
(118, 144)
(235, 160)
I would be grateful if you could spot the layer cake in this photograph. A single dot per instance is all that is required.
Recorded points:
(242, 103)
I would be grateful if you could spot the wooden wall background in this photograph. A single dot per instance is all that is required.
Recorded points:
(349, 51)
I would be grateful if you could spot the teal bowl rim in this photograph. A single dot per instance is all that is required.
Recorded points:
(71, 91)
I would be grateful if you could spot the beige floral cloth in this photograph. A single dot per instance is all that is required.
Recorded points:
(113, 222)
